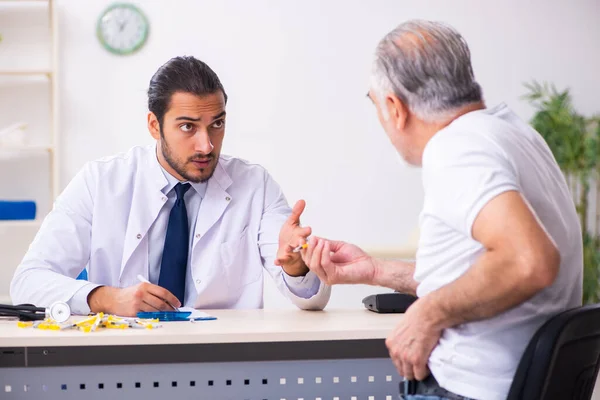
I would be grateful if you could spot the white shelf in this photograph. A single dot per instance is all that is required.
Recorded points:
(21, 149)
(20, 223)
(24, 72)
(24, 3)
(28, 94)
(11, 80)
(26, 45)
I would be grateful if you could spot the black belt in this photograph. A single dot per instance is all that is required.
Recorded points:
(430, 387)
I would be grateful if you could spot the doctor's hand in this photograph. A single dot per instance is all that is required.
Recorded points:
(339, 262)
(291, 236)
(127, 302)
(413, 340)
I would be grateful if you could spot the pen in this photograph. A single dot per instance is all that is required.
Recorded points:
(303, 246)
(142, 279)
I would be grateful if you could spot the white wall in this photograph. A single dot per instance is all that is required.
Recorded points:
(297, 74)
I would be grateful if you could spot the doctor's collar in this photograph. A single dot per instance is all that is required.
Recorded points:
(199, 187)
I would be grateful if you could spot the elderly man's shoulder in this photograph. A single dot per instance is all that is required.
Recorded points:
(459, 144)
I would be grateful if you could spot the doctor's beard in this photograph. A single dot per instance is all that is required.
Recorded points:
(179, 166)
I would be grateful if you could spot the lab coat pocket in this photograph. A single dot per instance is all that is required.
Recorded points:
(236, 260)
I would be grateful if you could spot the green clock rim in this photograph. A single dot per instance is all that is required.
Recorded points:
(130, 50)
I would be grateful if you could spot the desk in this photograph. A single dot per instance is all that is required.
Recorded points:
(243, 355)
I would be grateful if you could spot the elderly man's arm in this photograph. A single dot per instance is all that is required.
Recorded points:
(519, 261)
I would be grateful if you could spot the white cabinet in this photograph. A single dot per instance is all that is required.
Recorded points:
(28, 118)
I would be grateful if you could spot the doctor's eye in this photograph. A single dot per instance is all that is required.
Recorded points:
(187, 127)
(220, 124)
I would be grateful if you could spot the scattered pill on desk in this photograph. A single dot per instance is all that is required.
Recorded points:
(92, 323)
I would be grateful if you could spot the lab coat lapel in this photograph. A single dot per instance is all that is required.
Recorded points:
(215, 202)
(146, 202)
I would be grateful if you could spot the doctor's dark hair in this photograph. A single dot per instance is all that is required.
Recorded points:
(181, 74)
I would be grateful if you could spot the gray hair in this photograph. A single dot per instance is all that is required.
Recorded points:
(427, 65)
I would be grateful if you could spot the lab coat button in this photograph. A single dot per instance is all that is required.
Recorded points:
(198, 281)
(227, 198)
(139, 236)
(197, 236)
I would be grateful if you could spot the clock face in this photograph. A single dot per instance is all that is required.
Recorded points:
(122, 29)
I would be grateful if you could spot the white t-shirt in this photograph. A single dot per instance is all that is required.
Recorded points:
(477, 157)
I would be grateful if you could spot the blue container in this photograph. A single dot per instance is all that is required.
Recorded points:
(83, 276)
(17, 210)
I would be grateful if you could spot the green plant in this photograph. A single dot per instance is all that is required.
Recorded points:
(575, 142)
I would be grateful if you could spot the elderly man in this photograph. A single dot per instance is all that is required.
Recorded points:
(500, 250)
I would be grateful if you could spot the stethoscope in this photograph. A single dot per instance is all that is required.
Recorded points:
(59, 312)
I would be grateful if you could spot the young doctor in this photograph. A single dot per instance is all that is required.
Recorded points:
(199, 226)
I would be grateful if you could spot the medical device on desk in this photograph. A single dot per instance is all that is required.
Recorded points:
(59, 312)
(384, 303)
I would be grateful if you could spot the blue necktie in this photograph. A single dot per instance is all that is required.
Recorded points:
(175, 253)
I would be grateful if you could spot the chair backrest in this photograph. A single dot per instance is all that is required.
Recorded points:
(562, 359)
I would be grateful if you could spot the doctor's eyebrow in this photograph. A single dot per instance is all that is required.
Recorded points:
(220, 115)
(184, 118)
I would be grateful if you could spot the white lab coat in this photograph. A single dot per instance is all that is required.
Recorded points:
(102, 218)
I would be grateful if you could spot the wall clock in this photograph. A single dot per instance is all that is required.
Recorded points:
(122, 29)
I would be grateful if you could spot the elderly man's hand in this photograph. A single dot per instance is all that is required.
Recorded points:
(336, 262)
(413, 340)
